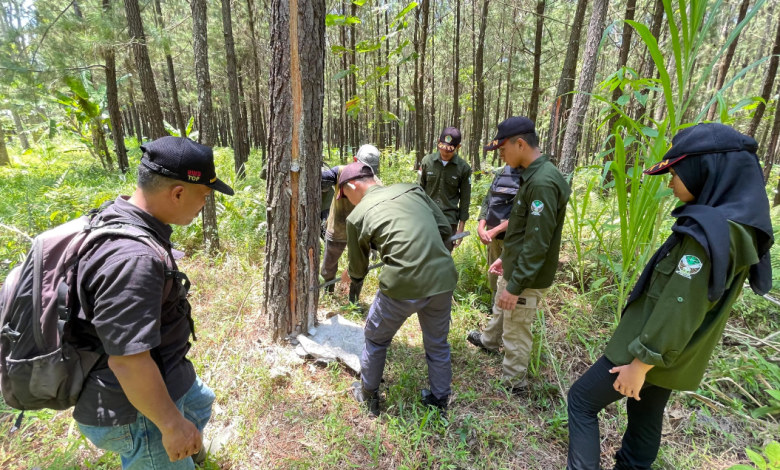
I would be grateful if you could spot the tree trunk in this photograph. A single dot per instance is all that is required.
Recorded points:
(769, 81)
(294, 166)
(625, 47)
(112, 95)
(649, 65)
(478, 121)
(420, 42)
(582, 98)
(256, 78)
(771, 150)
(456, 69)
(20, 132)
(4, 159)
(138, 41)
(171, 73)
(724, 66)
(563, 97)
(206, 114)
(534, 105)
(240, 144)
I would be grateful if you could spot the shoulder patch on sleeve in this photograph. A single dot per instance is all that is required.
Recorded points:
(688, 266)
(537, 207)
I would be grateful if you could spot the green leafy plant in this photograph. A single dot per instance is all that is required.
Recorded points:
(772, 462)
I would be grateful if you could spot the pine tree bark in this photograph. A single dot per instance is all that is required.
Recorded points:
(421, 39)
(456, 69)
(563, 97)
(769, 81)
(724, 66)
(135, 28)
(206, 113)
(478, 121)
(534, 104)
(4, 159)
(115, 115)
(294, 165)
(239, 129)
(171, 73)
(20, 132)
(256, 132)
(582, 98)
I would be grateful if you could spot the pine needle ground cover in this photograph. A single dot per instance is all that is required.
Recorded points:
(291, 413)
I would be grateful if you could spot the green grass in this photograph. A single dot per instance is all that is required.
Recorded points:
(303, 417)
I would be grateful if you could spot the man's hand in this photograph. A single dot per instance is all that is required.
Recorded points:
(506, 300)
(484, 235)
(181, 440)
(141, 381)
(497, 268)
(630, 379)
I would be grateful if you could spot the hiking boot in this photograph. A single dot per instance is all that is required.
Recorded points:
(429, 399)
(475, 338)
(354, 292)
(366, 397)
(331, 288)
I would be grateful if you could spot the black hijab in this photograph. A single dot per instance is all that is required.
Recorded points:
(719, 167)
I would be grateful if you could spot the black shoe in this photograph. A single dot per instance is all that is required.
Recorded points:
(354, 292)
(475, 338)
(370, 399)
(520, 391)
(331, 288)
(429, 399)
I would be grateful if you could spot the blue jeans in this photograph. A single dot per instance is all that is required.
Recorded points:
(140, 444)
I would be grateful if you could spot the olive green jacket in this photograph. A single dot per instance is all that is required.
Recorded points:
(673, 325)
(449, 186)
(533, 237)
(408, 230)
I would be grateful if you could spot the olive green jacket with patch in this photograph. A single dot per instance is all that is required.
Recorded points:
(449, 186)
(673, 326)
(408, 230)
(533, 237)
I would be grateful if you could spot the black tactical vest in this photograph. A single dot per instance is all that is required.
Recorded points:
(502, 194)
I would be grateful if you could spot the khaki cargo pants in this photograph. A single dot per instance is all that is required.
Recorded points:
(513, 327)
(494, 250)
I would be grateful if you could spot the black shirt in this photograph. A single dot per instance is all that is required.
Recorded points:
(121, 285)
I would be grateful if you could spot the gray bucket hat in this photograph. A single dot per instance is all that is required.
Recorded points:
(369, 155)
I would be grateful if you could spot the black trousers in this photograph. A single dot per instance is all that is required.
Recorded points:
(591, 394)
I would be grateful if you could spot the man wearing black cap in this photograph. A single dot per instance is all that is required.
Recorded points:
(408, 230)
(336, 224)
(531, 246)
(143, 400)
(446, 178)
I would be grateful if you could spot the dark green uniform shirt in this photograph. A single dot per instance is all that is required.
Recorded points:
(449, 186)
(673, 325)
(533, 237)
(408, 230)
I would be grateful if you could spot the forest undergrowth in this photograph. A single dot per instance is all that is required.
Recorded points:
(291, 413)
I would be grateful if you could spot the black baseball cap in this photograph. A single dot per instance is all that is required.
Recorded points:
(511, 127)
(449, 139)
(351, 172)
(184, 160)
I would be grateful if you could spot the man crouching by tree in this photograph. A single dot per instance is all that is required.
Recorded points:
(143, 399)
(408, 230)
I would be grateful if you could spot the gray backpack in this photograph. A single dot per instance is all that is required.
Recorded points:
(39, 367)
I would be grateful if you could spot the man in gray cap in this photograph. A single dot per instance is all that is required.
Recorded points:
(336, 227)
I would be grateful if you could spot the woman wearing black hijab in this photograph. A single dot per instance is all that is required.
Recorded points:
(676, 313)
